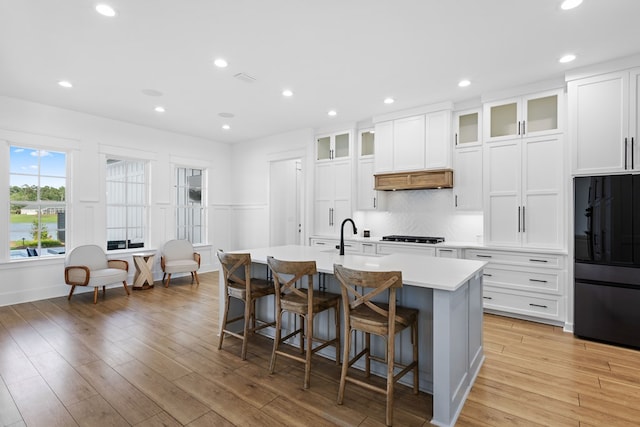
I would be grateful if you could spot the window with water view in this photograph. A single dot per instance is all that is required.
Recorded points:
(37, 194)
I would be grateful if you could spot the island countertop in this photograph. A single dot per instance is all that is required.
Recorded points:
(446, 274)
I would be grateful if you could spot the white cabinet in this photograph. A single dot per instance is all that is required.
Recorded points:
(408, 143)
(413, 143)
(523, 192)
(524, 284)
(467, 160)
(367, 198)
(604, 121)
(468, 128)
(333, 245)
(532, 115)
(386, 249)
(332, 196)
(446, 253)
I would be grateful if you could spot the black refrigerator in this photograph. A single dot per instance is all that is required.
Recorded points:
(607, 259)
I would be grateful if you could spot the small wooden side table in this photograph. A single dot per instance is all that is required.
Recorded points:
(143, 278)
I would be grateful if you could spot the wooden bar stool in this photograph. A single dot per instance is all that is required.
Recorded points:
(305, 303)
(246, 289)
(383, 319)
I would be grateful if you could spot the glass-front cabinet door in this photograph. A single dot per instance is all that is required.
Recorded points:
(467, 128)
(334, 146)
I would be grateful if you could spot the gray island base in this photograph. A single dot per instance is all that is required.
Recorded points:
(448, 293)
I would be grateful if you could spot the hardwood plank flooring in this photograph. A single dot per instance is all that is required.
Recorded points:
(151, 359)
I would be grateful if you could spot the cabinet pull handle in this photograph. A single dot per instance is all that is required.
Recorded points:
(456, 201)
(537, 260)
(445, 250)
(519, 217)
(487, 275)
(456, 138)
(367, 244)
(538, 280)
(523, 219)
(320, 243)
(538, 305)
(487, 297)
(483, 256)
(625, 154)
(374, 203)
(631, 152)
(524, 127)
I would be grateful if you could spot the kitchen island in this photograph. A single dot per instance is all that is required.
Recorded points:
(448, 293)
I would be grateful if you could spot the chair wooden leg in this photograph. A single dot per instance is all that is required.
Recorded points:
(73, 288)
(390, 363)
(414, 337)
(367, 364)
(307, 362)
(166, 285)
(337, 312)
(126, 289)
(195, 273)
(248, 305)
(345, 364)
(276, 342)
(223, 324)
(95, 294)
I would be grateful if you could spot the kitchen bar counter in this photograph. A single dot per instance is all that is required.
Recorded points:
(448, 293)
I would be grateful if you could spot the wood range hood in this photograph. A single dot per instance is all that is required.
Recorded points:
(418, 180)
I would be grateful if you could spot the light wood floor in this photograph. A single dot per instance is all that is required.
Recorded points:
(151, 359)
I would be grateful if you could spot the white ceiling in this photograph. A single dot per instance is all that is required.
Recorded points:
(346, 55)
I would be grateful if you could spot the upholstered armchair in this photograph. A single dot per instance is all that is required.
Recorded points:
(178, 256)
(88, 266)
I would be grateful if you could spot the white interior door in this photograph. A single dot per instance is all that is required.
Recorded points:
(285, 202)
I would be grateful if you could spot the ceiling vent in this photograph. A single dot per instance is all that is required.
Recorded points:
(245, 77)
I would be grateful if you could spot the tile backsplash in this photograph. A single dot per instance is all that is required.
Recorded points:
(422, 213)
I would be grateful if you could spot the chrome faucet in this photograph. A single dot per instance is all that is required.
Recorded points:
(355, 230)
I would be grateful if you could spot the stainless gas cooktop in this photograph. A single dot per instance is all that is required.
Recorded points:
(412, 239)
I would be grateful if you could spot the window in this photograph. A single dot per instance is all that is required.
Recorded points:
(126, 203)
(37, 194)
(189, 207)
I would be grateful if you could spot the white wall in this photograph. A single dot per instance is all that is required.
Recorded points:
(89, 140)
(422, 213)
(250, 170)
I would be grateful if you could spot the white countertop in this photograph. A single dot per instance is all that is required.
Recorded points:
(417, 270)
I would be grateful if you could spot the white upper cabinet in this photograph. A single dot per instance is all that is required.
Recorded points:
(413, 143)
(332, 190)
(532, 115)
(467, 128)
(334, 146)
(408, 143)
(467, 160)
(523, 192)
(604, 122)
(367, 197)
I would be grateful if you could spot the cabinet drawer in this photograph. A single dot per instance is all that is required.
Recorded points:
(330, 244)
(517, 258)
(536, 306)
(447, 253)
(406, 249)
(547, 281)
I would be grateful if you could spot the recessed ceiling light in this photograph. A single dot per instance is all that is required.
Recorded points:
(159, 109)
(220, 63)
(332, 113)
(567, 58)
(226, 127)
(106, 10)
(464, 83)
(65, 83)
(287, 93)
(389, 100)
(570, 4)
